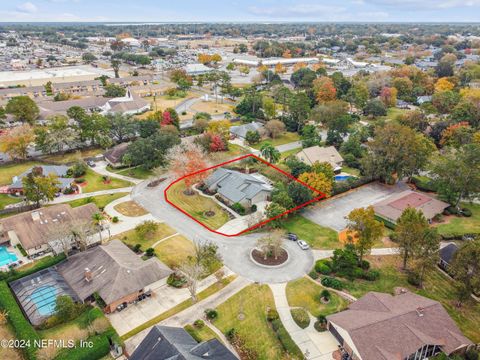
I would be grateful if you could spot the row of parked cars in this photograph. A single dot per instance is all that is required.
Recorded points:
(302, 244)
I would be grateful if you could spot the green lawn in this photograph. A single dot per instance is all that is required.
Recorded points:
(288, 153)
(436, 286)
(174, 250)
(7, 172)
(196, 205)
(463, 225)
(132, 238)
(234, 151)
(101, 200)
(6, 199)
(305, 293)
(95, 182)
(135, 172)
(351, 171)
(318, 237)
(71, 157)
(212, 289)
(254, 329)
(286, 138)
(201, 334)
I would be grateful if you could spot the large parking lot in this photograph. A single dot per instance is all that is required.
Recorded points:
(332, 212)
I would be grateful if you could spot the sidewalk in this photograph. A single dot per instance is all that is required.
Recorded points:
(67, 198)
(313, 344)
(101, 168)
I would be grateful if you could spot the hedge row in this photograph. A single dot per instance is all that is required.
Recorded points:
(100, 348)
(352, 183)
(39, 265)
(23, 329)
(285, 339)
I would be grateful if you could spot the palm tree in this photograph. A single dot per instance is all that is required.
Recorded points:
(269, 152)
(97, 221)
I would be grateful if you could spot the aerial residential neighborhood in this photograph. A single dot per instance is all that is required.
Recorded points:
(256, 180)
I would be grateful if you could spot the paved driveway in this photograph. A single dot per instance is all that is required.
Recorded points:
(234, 250)
(332, 212)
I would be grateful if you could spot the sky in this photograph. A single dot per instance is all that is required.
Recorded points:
(240, 10)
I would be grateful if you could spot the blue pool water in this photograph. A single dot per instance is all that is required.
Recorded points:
(45, 298)
(6, 257)
(342, 177)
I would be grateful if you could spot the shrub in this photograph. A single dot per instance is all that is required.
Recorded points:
(272, 315)
(371, 275)
(424, 184)
(413, 278)
(115, 219)
(211, 314)
(301, 318)
(231, 334)
(323, 267)
(176, 280)
(332, 282)
(287, 343)
(100, 348)
(238, 208)
(146, 229)
(137, 248)
(22, 250)
(79, 169)
(253, 208)
(98, 299)
(69, 190)
(150, 252)
(313, 274)
(364, 264)
(471, 354)
(466, 212)
(199, 323)
(451, 210)
(357, 273)
(321, 323)
(80, 180)
(325, 294)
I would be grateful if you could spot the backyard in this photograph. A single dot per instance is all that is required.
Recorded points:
(455, 225)
(305, 293)
(197, 206)
(174, 250)
(211, 107)
(318, 237)
(95, 182)
(6, 199)
(437, 286)
(8, 171)
(285, 138)
(246, 312)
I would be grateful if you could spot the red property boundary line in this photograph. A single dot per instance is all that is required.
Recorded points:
(321, 195)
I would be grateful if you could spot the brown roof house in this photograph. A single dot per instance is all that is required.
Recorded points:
(115, 154)
(314, 154)
(114, 272)
(380, 326)
(390, 209)
(34, 230)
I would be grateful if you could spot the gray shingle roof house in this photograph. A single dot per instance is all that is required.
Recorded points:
(172, 343)
(241, 130)
(115, 154)
(114, 271)
(380, 326)
(236, 187)
(59, 170)
(446, 255)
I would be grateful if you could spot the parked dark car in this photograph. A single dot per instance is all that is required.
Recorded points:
(292, 236)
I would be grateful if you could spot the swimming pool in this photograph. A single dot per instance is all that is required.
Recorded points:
(45, 298)
(343, 177)
(6, 257)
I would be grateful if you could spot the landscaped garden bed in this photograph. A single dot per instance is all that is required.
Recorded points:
(259, 257)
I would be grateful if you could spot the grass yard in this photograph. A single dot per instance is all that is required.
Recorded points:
(201, 334)
(305, 293)
(6, 199)
(7, 172)
(132, 238)
(95, 182)
(212, 289)
(234, 151)
(163, 102)
(286, 138)
(196, 205)
(436, 286)
(289, 153)
(101, 200)
(253, 301)
(130, 208)
(211, 107)
(73, 156)
(351, 170)
(318, 237)
(462, 225)
(7, 352)
(174, 250)
(135, 172)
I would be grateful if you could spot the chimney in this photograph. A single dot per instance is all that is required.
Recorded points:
(35, 215)
(420, 311)
(88, 275)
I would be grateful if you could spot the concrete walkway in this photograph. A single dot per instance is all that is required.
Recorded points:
(194, 312)
(101, 168)
(313, 344)
(67, 198)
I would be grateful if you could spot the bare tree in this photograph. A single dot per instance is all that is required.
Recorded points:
(271, 243)
(82, 230)
(61, 233)
(193, 272)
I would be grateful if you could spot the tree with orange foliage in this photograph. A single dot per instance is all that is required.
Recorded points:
(15, 142)
(287, 54)
(318, 181)
(204, 58)
(324, 89)
(261, 68)
(280, 69)
(443, 84)
(186, 159)
(457, 135)
(298, 66)
(388, 95)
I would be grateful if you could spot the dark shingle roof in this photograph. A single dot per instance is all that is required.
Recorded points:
(447, 252)
(172, 343)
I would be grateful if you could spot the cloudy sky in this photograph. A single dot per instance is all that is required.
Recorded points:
(241, 10)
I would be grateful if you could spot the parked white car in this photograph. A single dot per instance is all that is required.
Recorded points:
(303, 245)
